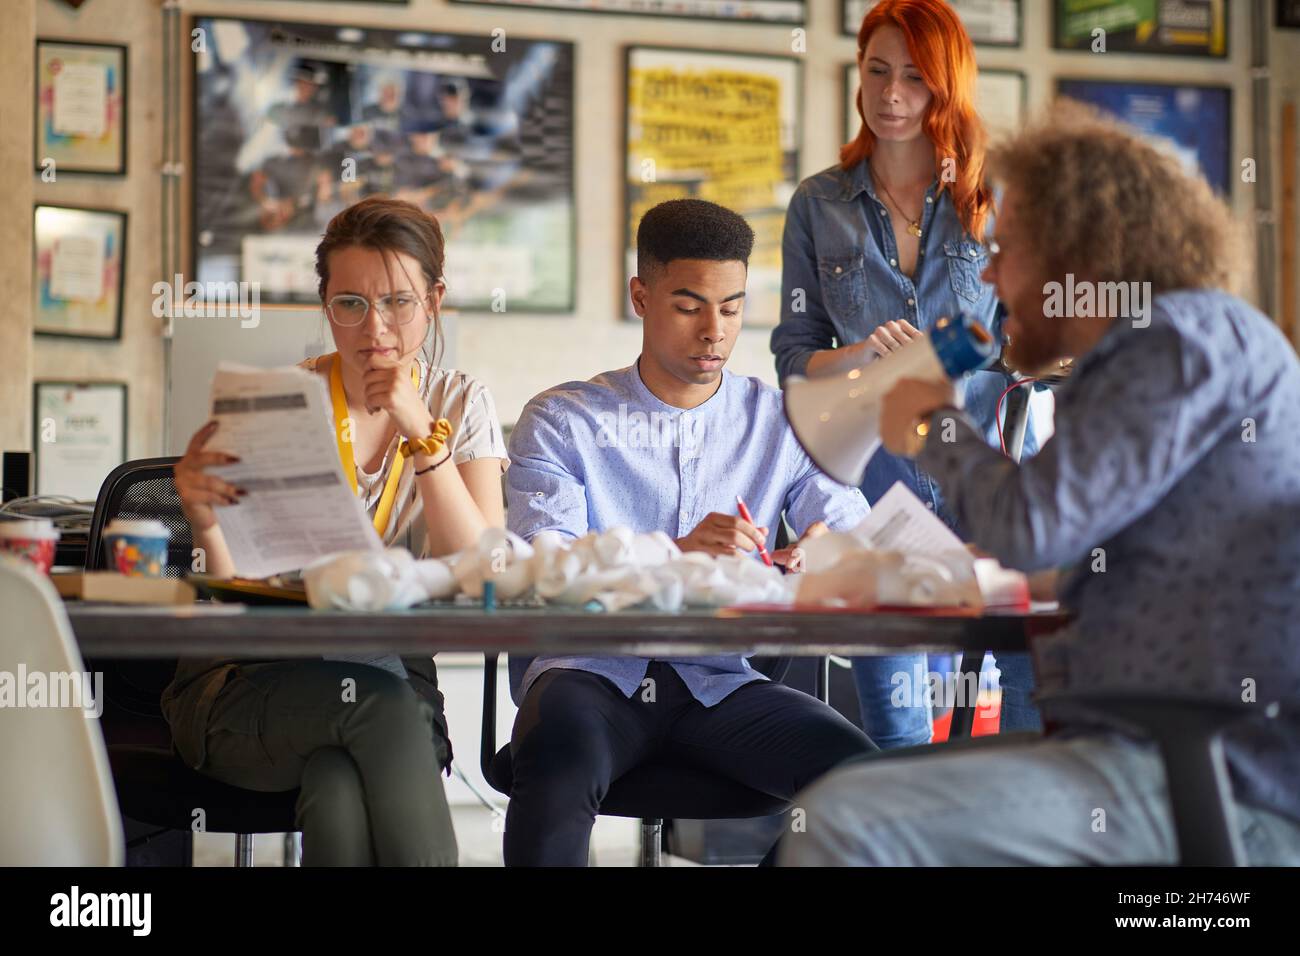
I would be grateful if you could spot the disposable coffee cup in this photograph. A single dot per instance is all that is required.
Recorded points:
(137, 547)
(31, 539)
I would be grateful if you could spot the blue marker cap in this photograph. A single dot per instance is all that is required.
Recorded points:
(489, 595)
(962, 345)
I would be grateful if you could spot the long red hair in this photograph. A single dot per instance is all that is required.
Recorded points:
(943, 53)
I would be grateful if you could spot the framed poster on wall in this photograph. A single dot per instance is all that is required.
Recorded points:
(989, 22)
(1001, 96)
(1193, 123)
(717, 126)
(739, 11)
(301, 120)
(80, 258)
(80, 107)
(79, 436)
(1180, 27)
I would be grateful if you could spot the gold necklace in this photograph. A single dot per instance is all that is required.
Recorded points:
(913, 225)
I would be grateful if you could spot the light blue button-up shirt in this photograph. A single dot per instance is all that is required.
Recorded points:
(841, 280)
(1171, 489)
(589, 456)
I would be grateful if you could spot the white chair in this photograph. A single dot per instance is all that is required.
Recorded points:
(55, 784)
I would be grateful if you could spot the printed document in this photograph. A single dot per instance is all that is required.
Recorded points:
(299, 507)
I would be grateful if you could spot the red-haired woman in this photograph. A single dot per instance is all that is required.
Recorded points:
(877, 249)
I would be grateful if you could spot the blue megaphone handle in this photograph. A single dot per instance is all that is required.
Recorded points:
(963, 345)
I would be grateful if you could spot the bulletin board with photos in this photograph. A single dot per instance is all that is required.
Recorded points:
(296, 121)
(722, 127)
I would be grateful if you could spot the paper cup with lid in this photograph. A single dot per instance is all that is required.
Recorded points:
(137, 547)
(32, 539)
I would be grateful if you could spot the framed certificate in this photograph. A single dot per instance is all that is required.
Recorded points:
(81, 93)
(80, 256)
(988, 22)
(78, 435)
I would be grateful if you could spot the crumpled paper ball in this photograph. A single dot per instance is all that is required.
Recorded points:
(614, 568)
(376, 580)
(866, 578)
(618, 569)
(501, 557)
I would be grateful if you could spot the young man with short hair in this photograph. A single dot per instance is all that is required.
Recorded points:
(666, 444)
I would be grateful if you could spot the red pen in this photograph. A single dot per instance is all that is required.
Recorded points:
(744, 513)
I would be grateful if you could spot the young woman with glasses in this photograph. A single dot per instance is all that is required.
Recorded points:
(363, 739)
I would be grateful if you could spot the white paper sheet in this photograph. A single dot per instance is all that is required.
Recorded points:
(911, 558)
(899, 522)
(299, 507)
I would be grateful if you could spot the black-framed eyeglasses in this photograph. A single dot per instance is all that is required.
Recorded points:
(400, 308)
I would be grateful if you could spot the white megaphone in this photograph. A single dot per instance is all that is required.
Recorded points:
(836, 417)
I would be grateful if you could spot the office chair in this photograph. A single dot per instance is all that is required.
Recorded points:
(1189, 732)
(652, 792)
(55, 785)
(154, 786)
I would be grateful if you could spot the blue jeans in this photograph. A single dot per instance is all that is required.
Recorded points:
(1016, 679)
(889, 726)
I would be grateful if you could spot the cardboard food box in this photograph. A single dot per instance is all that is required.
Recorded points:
(119, 589)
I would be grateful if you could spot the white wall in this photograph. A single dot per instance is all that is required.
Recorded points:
(516, 355)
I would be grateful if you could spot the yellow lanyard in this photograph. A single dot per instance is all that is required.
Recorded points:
(340, 401)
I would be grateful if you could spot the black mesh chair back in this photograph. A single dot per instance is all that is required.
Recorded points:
(138, 490)
(154, 786)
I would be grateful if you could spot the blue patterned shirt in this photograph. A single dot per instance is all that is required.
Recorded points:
(1171, 491)
(589, 456)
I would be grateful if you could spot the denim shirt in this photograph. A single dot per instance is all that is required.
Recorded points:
(839, 249)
